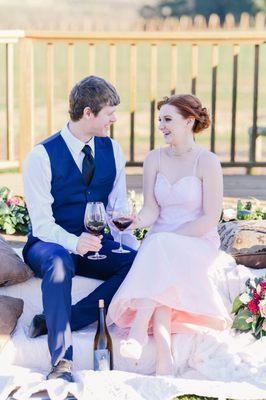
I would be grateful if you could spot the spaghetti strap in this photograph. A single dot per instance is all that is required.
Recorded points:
(159, 160)
(197, 161)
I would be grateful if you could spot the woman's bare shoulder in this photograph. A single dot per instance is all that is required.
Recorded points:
(151, 156)
(209, 161)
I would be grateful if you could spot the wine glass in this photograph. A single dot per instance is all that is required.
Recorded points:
(122, 219)
(95, 222)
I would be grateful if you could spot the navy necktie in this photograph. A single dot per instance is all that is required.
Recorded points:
(88, 165)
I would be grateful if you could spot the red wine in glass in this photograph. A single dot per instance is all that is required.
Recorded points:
(95, 227)
(95, 222)
(122, 220)
(122, 223)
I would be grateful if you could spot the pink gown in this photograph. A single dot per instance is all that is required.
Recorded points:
(172, 269)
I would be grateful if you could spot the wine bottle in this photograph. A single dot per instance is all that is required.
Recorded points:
(103, 348)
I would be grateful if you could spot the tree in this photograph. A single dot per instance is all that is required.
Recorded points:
(207, 7)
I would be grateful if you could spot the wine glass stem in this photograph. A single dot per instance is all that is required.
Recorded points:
(120, 238)
(97, 254)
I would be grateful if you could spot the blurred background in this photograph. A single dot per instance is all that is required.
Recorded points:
(148, 49)
(131, 14)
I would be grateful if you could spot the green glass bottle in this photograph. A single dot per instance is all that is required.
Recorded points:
(103, 347)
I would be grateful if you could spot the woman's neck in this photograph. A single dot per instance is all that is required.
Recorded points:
(179, 149)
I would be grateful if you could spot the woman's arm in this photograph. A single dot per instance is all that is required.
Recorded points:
(211, 171)
(150, 210)
(117, 199)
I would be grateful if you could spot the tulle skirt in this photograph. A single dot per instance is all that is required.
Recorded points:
(172, 270)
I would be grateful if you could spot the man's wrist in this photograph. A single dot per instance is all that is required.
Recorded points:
(72, 243)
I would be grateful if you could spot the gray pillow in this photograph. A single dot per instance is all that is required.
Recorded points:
(10, 310)
(245, 241)
(12, 269)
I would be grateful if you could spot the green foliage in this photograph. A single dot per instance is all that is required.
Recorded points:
(208, 7)
(237, 305)
(250, 210)
(140, 233)
(13, 213)
(194, 397)
(240, 322)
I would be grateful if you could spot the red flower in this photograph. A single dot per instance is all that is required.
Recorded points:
(253, 306)
(256, 295)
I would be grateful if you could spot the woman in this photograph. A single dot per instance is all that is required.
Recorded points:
(168, 288)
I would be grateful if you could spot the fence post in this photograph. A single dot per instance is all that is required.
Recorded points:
(260, 20)
(26, 98)
(199, 22)
(254, 143)
(185, 22)
(10, 100)
(50, 87)
(229, 22)
(244, 21)
(214, 22)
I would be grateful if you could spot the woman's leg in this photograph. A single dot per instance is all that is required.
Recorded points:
(138, 334)
(162, 336)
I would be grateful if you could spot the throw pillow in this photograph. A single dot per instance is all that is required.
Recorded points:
(10, 310)
(245, 241)
(12, 269)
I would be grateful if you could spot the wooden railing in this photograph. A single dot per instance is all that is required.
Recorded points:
(127, 21)
(9, 39)
(25, 68)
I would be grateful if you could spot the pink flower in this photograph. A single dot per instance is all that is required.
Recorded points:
(263, 287)
(15, 201)
(253, 306)
(262, 309)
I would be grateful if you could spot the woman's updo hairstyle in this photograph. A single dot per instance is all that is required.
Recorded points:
(189, 105)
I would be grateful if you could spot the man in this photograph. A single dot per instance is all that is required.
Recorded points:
(77, 165)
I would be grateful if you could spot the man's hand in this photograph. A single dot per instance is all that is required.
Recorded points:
(88, 242)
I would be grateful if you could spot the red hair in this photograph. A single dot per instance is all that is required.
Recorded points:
(189, 105)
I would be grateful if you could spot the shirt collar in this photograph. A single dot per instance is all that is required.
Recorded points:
(74, 144)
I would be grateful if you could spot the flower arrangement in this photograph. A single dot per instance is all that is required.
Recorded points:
(244, 211)
(13, 213)
(250, 308)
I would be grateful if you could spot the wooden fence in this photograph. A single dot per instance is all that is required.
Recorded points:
(78, 20)
(25, 41)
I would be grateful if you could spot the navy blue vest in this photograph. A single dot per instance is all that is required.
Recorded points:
(68, 188)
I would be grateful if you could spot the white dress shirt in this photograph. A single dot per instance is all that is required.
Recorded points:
(37, 188)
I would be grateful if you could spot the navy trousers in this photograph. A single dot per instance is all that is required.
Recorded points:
(56, 266)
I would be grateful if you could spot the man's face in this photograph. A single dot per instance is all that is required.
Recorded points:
(99, 124)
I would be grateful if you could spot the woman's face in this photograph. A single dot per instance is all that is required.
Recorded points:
(173, 125)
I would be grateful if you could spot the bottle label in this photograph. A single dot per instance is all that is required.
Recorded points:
(102, 360)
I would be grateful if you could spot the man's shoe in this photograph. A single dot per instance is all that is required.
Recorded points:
(63, 370)
(38, 326)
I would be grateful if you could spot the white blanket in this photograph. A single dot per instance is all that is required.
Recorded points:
(224, 365)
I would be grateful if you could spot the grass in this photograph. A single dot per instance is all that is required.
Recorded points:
(194, 397)
(142, 121)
